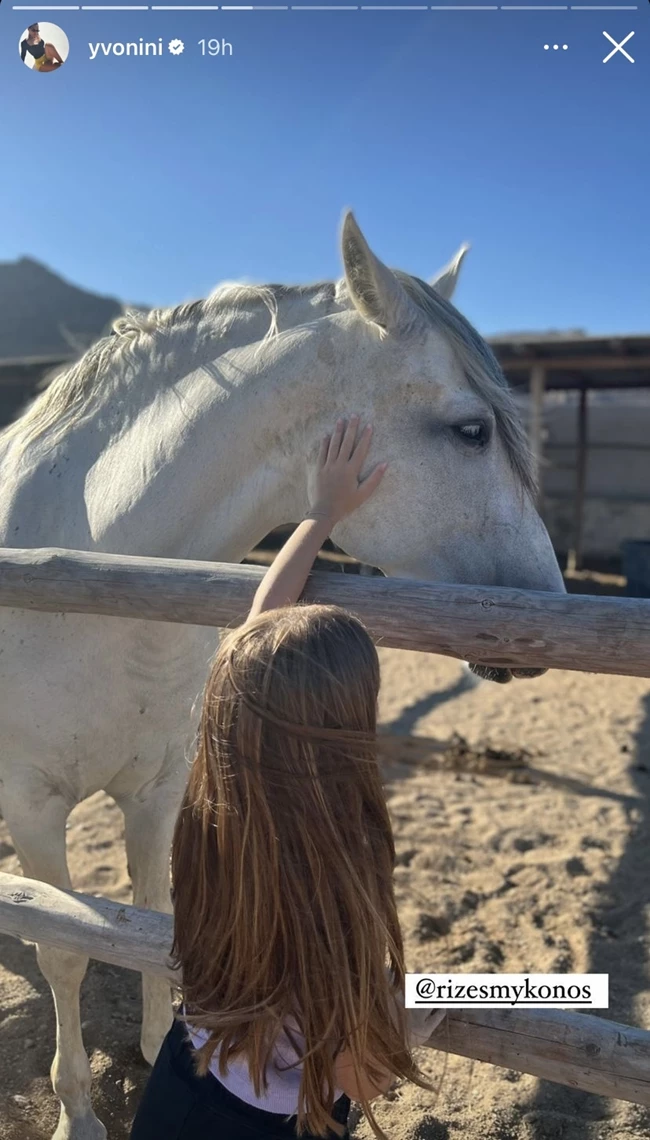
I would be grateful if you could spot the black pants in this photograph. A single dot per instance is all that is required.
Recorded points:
(179, 1105)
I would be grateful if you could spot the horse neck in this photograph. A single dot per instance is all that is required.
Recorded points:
(142, 372)
(218, 458)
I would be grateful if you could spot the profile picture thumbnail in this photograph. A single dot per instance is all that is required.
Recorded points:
(44, 47)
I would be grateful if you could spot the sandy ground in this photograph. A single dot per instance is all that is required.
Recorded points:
(529, 862)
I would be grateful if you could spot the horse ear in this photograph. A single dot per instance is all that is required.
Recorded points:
(373, 288)
(446, 280)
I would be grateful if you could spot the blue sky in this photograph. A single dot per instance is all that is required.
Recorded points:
(153, 179)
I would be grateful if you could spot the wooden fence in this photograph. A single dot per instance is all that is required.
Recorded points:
(581, 1051)
(505, 627)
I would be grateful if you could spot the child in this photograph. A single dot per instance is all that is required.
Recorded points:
(282, 867)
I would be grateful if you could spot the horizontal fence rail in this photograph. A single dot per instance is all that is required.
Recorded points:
(493, 626)
(574, 1049)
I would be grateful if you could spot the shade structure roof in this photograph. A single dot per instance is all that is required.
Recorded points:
(574, 360)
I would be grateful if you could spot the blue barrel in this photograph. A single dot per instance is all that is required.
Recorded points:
(636, 567)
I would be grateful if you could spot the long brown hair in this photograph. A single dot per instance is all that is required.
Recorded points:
(283, 859)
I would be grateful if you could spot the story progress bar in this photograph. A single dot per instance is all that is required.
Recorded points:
(325, 7)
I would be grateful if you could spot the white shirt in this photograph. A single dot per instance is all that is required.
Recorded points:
(283, 1074)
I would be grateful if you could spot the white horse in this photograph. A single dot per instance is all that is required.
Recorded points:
(186, 434)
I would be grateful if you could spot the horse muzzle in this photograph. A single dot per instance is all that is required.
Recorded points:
(502, 675)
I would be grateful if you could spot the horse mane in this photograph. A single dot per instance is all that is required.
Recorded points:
(68, 398)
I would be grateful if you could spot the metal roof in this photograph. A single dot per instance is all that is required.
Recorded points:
(49, 360)
(573, 360)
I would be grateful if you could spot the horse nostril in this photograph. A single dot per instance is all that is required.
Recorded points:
(492, 673)
(502, 675)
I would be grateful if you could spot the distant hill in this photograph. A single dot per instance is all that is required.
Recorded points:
(42, 315)
(44, 323)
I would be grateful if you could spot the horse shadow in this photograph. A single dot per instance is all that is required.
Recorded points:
(617, 947)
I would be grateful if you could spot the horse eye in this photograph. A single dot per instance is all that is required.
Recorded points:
(474, 434)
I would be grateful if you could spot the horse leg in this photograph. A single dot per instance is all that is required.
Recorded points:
(149, 824)
(39, 838)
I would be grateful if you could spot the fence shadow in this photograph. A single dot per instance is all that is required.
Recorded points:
(617, 947)
(404, 724)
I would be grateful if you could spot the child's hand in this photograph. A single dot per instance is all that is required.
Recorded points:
(334, 491)
(334, 485)
(421, 1023)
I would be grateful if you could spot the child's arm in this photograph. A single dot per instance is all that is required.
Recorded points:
(335, 490)
(420, 1024)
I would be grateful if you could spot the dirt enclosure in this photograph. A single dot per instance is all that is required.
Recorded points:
(525, 846)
